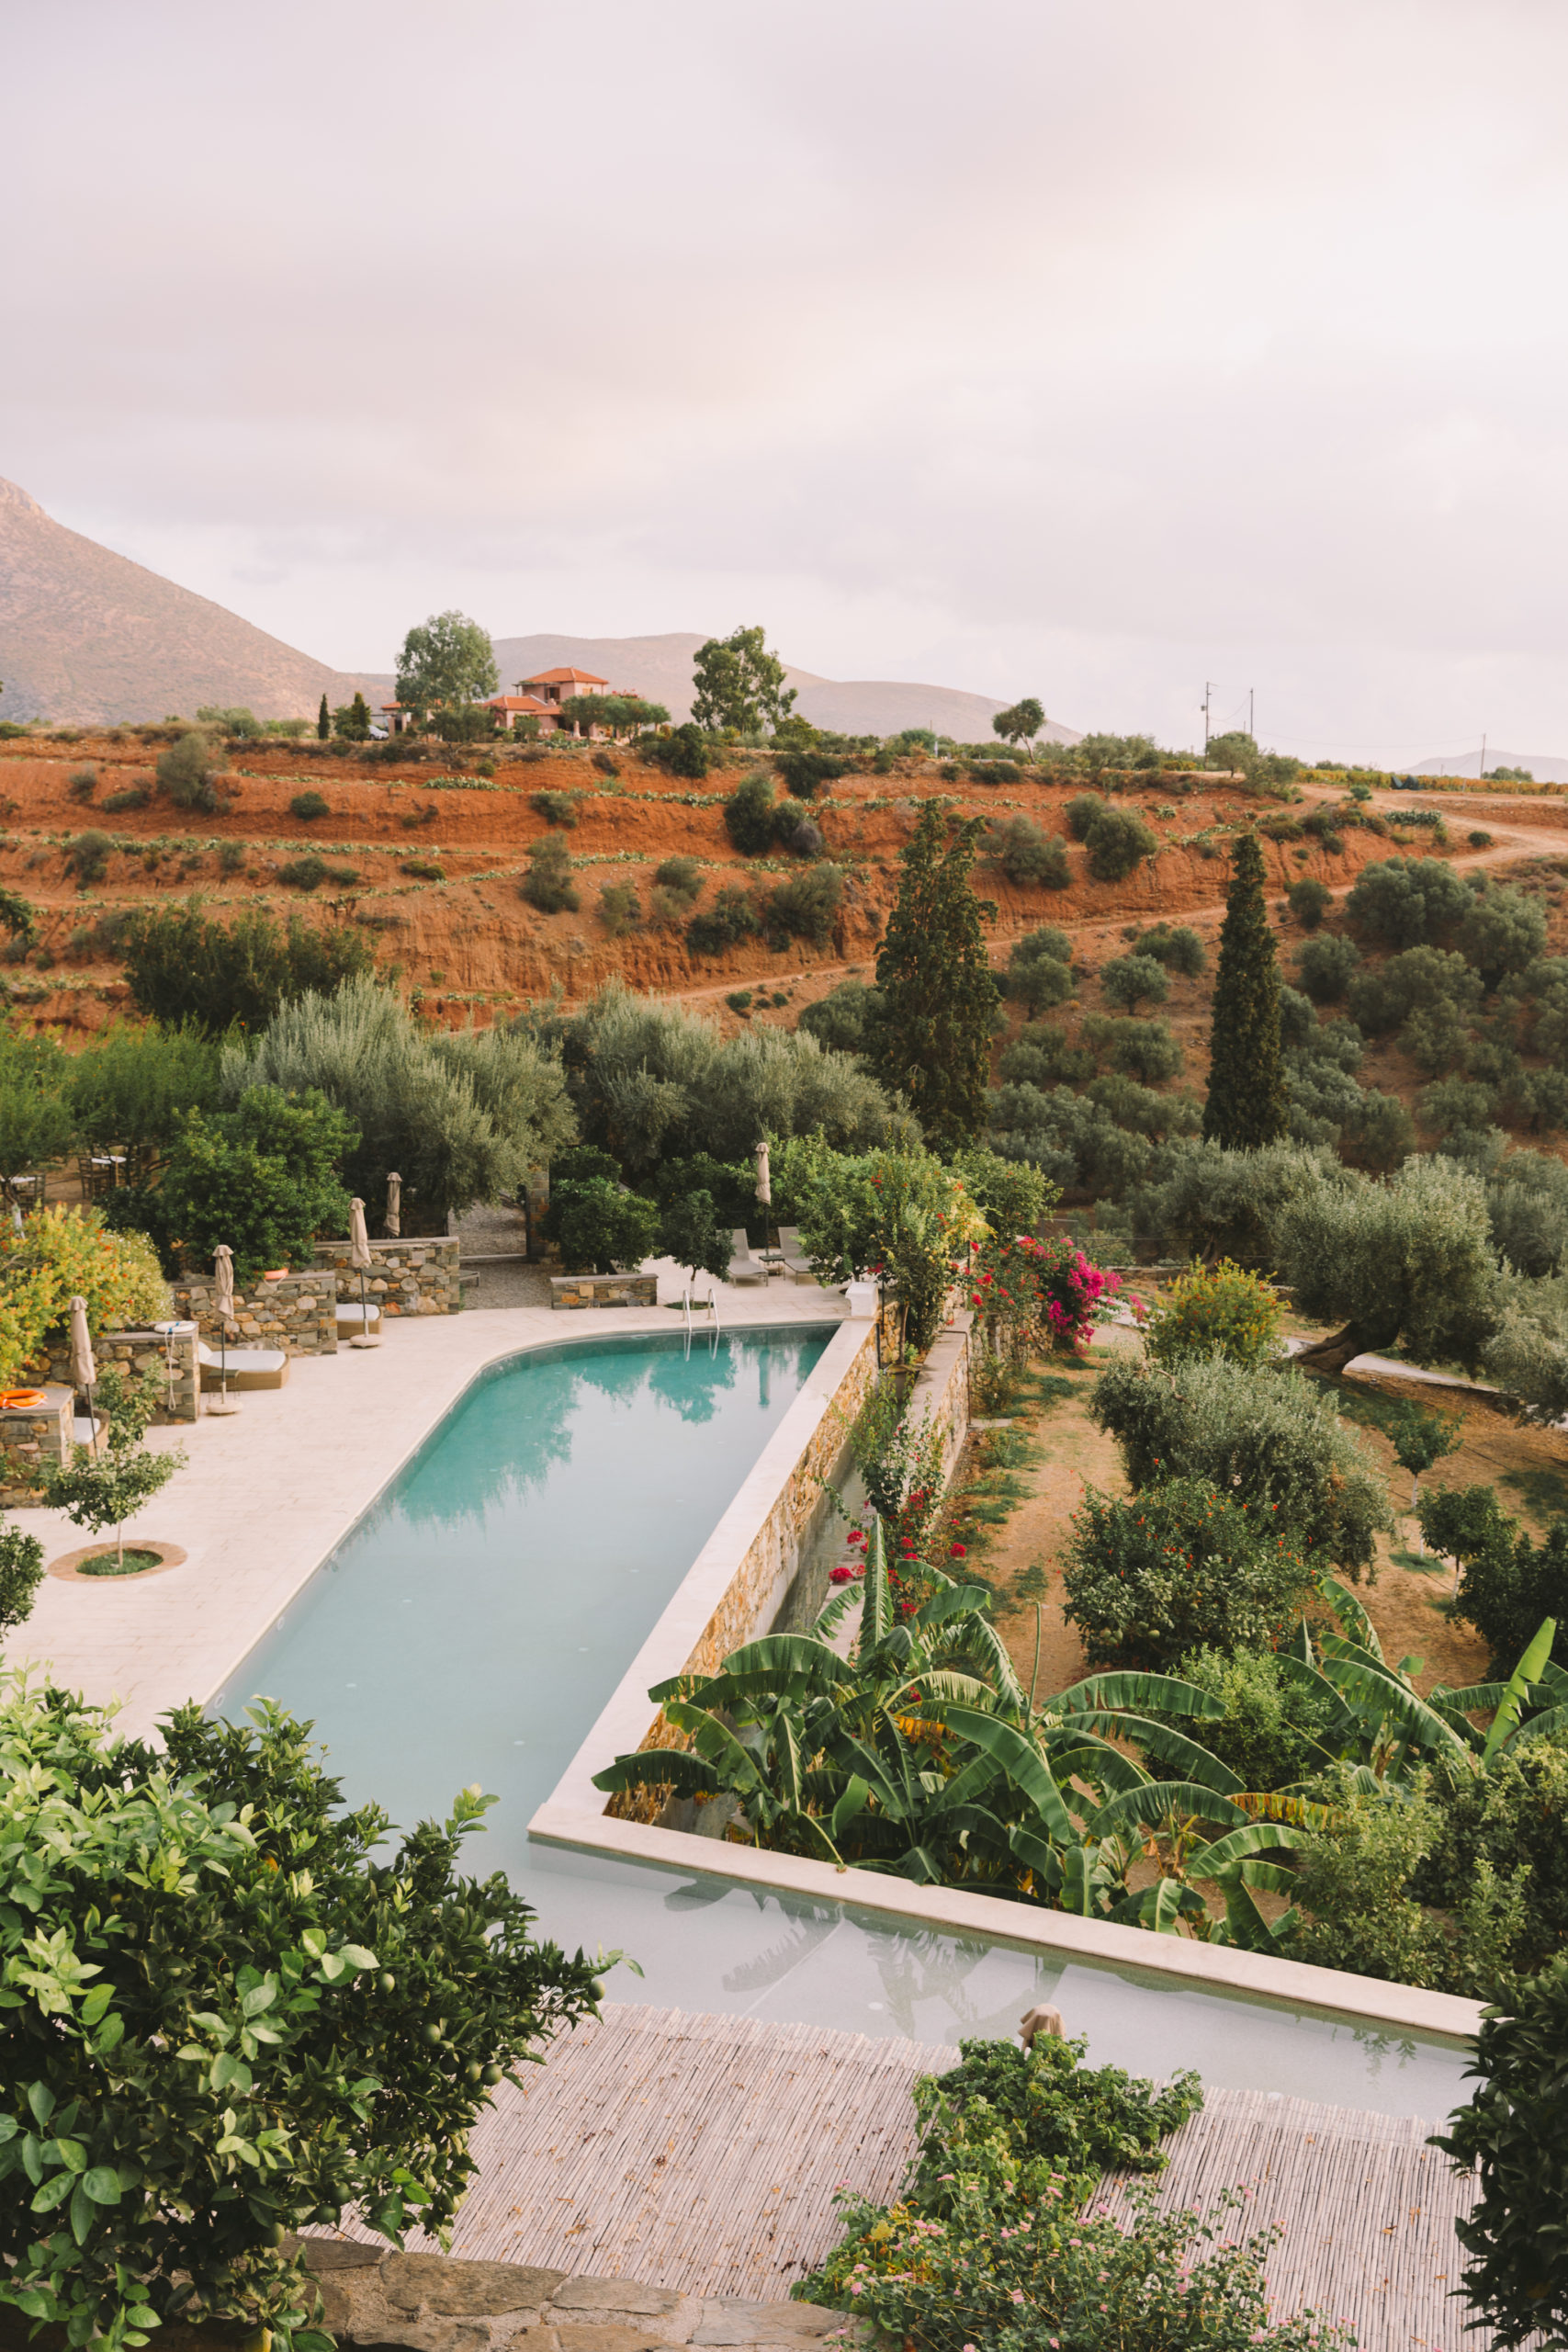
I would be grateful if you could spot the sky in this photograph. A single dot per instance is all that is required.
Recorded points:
(1096, 353)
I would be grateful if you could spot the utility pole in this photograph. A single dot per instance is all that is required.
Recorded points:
(1483, 756)
(1251, 719)
(1209, 691)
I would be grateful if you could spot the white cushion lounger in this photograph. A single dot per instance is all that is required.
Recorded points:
(351, 1318)
(247, 1367)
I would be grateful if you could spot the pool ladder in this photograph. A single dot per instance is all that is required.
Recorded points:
(708, 1306)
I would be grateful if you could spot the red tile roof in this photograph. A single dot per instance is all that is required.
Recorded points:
(565, 677)
(519, 702)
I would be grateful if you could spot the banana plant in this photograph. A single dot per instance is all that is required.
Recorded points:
(920, 1755)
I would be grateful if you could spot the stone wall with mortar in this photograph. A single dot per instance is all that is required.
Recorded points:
(603, 1290)
(139, 1353)
(414, 1277)
(297, 1314)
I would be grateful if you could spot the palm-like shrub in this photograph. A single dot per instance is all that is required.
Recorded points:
(922, 1757)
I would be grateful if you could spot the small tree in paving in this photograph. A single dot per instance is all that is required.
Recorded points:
(231, 2010)
(690, 1234)
(99, 1489)
(939, 991)
(1246, 1086)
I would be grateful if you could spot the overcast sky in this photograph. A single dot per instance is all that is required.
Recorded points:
(1088, 352)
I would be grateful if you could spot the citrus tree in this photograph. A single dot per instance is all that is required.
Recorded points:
(264, 2025)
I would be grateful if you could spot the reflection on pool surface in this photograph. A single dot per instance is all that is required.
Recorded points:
(478, 1619)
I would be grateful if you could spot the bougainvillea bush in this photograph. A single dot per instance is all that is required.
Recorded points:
(1075, 1294)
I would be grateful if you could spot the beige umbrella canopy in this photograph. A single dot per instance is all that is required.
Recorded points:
(83, 1370)
(359, 1256)
(764, 1174)
(223, 1307)
(394, 1206)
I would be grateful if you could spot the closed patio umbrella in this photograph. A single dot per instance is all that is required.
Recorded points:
(359, 1255)
(223, 1307)
(84, 1369)
(764, 1183)
(394, 1206)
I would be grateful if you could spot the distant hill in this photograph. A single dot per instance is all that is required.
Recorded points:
(88, 636)
(661, 668)
(1543, 767)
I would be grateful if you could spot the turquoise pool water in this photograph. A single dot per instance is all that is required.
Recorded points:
(474, 1624)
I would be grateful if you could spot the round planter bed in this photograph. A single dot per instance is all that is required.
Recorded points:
(81, 1566)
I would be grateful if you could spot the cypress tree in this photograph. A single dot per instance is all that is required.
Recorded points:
(323, 721)
(939, 993)
(1247, 1085)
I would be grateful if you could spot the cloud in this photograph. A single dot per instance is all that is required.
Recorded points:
(1021, 346)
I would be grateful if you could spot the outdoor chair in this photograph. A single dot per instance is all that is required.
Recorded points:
(744, 1267)
(353, 1319)
(797, 1265)
(247, 1367)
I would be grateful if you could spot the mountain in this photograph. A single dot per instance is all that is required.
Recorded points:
(1540, 764)
(88, 636)
(659, 668)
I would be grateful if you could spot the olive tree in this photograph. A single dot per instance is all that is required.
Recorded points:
(1408, 1259)
(274, 2019)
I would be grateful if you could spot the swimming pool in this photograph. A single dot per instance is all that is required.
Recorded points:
(478, 1619)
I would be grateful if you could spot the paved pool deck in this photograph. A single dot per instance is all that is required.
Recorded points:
(266, 1493)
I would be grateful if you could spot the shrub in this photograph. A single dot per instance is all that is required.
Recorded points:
(1146, 1050)
(1503, 932)
(1178, 948)
(1508, 1582)
(183, 967)
(1039, 971)
(1029, 856)
(1410, 1260)
(1183, 1565)
(749, 816)
(1513, 2133)
(1512, 1819)
(100, 1485)
(1479, 840)
(805, 907)
(684, 752)
(1118, 842)
(1309, 901)
(601, 1228)
(87, 857)
(1274, 1722)
(1131, 980)
(804, 772)
(308, 807)
(1408, 903)
(1422, 985)
(1011, 1199)
(64, 1253)
(1526, 1204)
(794, 831)
(1352, 1907)
(560, 808)
(261, 1177)
(620, 909)
(547, 884)
(728, 919)
(1269, 1440)
(844, 1021)
(739, 999)
(82, 782)
(310, 872)
(682, 876)
(1216, 1311)
(186, 771)
(1325, 966)
(605, 764)
(231, 856)
(423, 869)
(135, 796)
(298, 1955)
(129, 1089)
(1046, 1058)
(1082, 812)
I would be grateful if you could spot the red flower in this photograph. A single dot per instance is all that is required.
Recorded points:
(840, 1576)
(959, 1552)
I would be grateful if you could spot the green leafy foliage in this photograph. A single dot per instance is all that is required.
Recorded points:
(1309, 901)
(1408, 1259)
(1183, 1565)
(556, 808)
(748, 815)
(1177, 946)
(805, 907)
(130, 1088)
(1030, 857)
(1246, 1105)
(1020, 721)
(1039, 970)
(1275, 1722)
(215, 976)
(261, 1177)
(308, 806)
(685, 752)
(939, 994)
(1131, 980)
(602, 1228)
(188, 771)
(844, 1021)
(1507, 1581)
(1408, 903)
(547, 884)
(100, 1485)
(739, 683)
(730, 917)
(1325, 967)
(446, 660)
(22, 1573)
(1223, 1310)
(1118, 843)
(277, 2023)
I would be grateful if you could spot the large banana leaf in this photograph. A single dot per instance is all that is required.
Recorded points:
(1246, 1922)
(1175, 1747)
(1351, 1614)
(1550, 1725)
(1159, 1800)
(950, 1601)
(1035, 1854)
(1020, 1760)
(1276, 1878)
(939, 1687)
(1099, 1694)
(1375, 1695)
(1160, 1907)
(718, 1744)
(1072, 1755)
(650, 1766)
(787, 1657)
(1241, 1844)
(1279, 1804)
(1505, 1722)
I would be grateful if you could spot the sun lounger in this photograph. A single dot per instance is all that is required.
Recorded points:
(797, 1265)
(744, 1267)
(84, 1428)
(247, 1367)
(353, 1319)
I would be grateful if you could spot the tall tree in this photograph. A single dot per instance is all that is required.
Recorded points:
(739, 683)
(323, 721)
(940, 994)
(447, 660)
(1247, 1086)
(1020, 722)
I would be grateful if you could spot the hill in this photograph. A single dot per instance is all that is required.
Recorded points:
(88, 636)
(1542, 766)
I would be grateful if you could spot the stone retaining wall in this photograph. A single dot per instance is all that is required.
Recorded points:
(139, 1353)
(603, 1290)
(297, 1314)
(414, 1277)
(31, 1438)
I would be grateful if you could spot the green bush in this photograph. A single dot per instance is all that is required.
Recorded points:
(308, 806)
(794, 831)
(620, 909)
(1118, 842)
(804, 772)
(183, 967)
(308, 872)
(1011, 1199)
(1082, 812)
(681, 878)
(844, 1021)
(86, 857)
(129, 1089)
(1268, 1440)
(547, 884)
(560, 808)
(1408, 903)
(1039, 970)
(1131, 980)
(805, 907)
(1309, 901)
(134, 795)
(241, 2003)
(684, 752)
(730, 917)
(1184, 1566)
(600, 1227)
(188, 771)
(1146, 1050)
(1178, 948)
(1031, 858)
(1503, 932)
(82, 782)
(1511, 1819)
(749, 816)
(1044, 1057)
(1274, 1725)
(423, 869)
(1221, 1310)
(263, 1177)
(1507, 1581)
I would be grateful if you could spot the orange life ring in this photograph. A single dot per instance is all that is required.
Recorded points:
(16, 1400)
